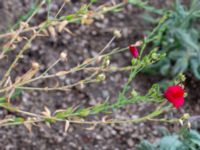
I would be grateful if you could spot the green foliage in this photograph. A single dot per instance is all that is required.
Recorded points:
(14, 95)
(179, 36)
(33, 8)
(83, 10)
(93, 1)
(64, 113)
(125, 97)
(144, 4)
(185, 140)
(78, 114)
(17, 120)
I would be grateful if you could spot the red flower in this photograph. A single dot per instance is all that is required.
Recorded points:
(175, 95)
(133, 51)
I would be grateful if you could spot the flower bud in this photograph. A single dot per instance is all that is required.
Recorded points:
(134, 93)
(63, 56)
(104, 9)
(181, 77)
(35, 65)
(134, 51)
(106, 61)
(186, 116)
(101, 77)
(117, 33)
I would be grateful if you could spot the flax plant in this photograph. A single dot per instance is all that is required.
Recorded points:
(11, 88)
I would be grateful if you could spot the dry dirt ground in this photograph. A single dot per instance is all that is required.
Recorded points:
(87, 42)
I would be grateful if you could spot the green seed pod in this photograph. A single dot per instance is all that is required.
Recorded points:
(101, 77)
(134, 93)
(155, 56)
(134, 61)
(147, 61)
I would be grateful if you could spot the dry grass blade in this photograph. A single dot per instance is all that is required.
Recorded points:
(91, 127)
(52, 32)
(46, 112)
(62, 25)
(69, 31)
(29, 74)
(66, 125)
(28, 125)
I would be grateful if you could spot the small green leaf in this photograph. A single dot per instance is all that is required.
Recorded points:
(64, 114)
(99, 108)
(18, 120)
(93, 1)
(83, 112)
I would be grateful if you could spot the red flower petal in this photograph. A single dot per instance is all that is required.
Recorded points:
(175, 95)
(178, 102)
(133, 51)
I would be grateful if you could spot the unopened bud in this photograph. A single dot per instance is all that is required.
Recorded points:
(105, 9)
(182, 77)
(106, 61)
(63, 56)
(35, 65)
(117, 33)
(186, 116)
